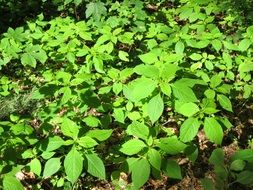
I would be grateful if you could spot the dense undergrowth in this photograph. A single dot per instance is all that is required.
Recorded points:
(119, 91)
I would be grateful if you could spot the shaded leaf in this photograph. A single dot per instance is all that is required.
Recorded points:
(172, 169)
(245, 177)
(217, 157)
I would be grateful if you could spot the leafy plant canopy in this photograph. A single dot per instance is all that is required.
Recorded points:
(123, 91)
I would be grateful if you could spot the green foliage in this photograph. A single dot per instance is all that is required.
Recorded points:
(238, 170)
(78, 96)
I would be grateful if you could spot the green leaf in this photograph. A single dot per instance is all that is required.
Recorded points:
(168, 71)
(154, 158)
(102, 39)
(73, 165)
(96, 9)
(149, 71)
(28, 59)
(244, 44)
(227, 59)
(215, 81)
(67, 94)
(64, 77)
(217, 45)
(155, 108)
(179, 47)
(245, 177)
(245, 67)
(130, 163)
(71, 57)
(195, 56)
(100, 135)
(217, 157)
(237, 165)
(225, 102)
(165, 88)
(149, 58)
(171, 58)
(123, 56)
(132, 147)
(139, 130)
(139, 89)
(51, 167)
(171, 145)
(77, 2)
(69, 128)
(192, 152)
(47, 155)
(250, 31)
(172, 169)
(117, 87)
(67, 2)
(151, 43)
(95, 166)
(140, 173)
(213, 130)
(98, 64)
(119, 115)
(87, 142)
(183, 93)
(41, 56)
(246, 155)
(230, 46)
(209, 65)
(54, 143)
(134, 116)
(189, 129)
(208, 184)
(189, 82)
(11, 183)
(35, 166)
(91, 121)
(209, 93)
(201, 44)
(226, 123)
(188, 109)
